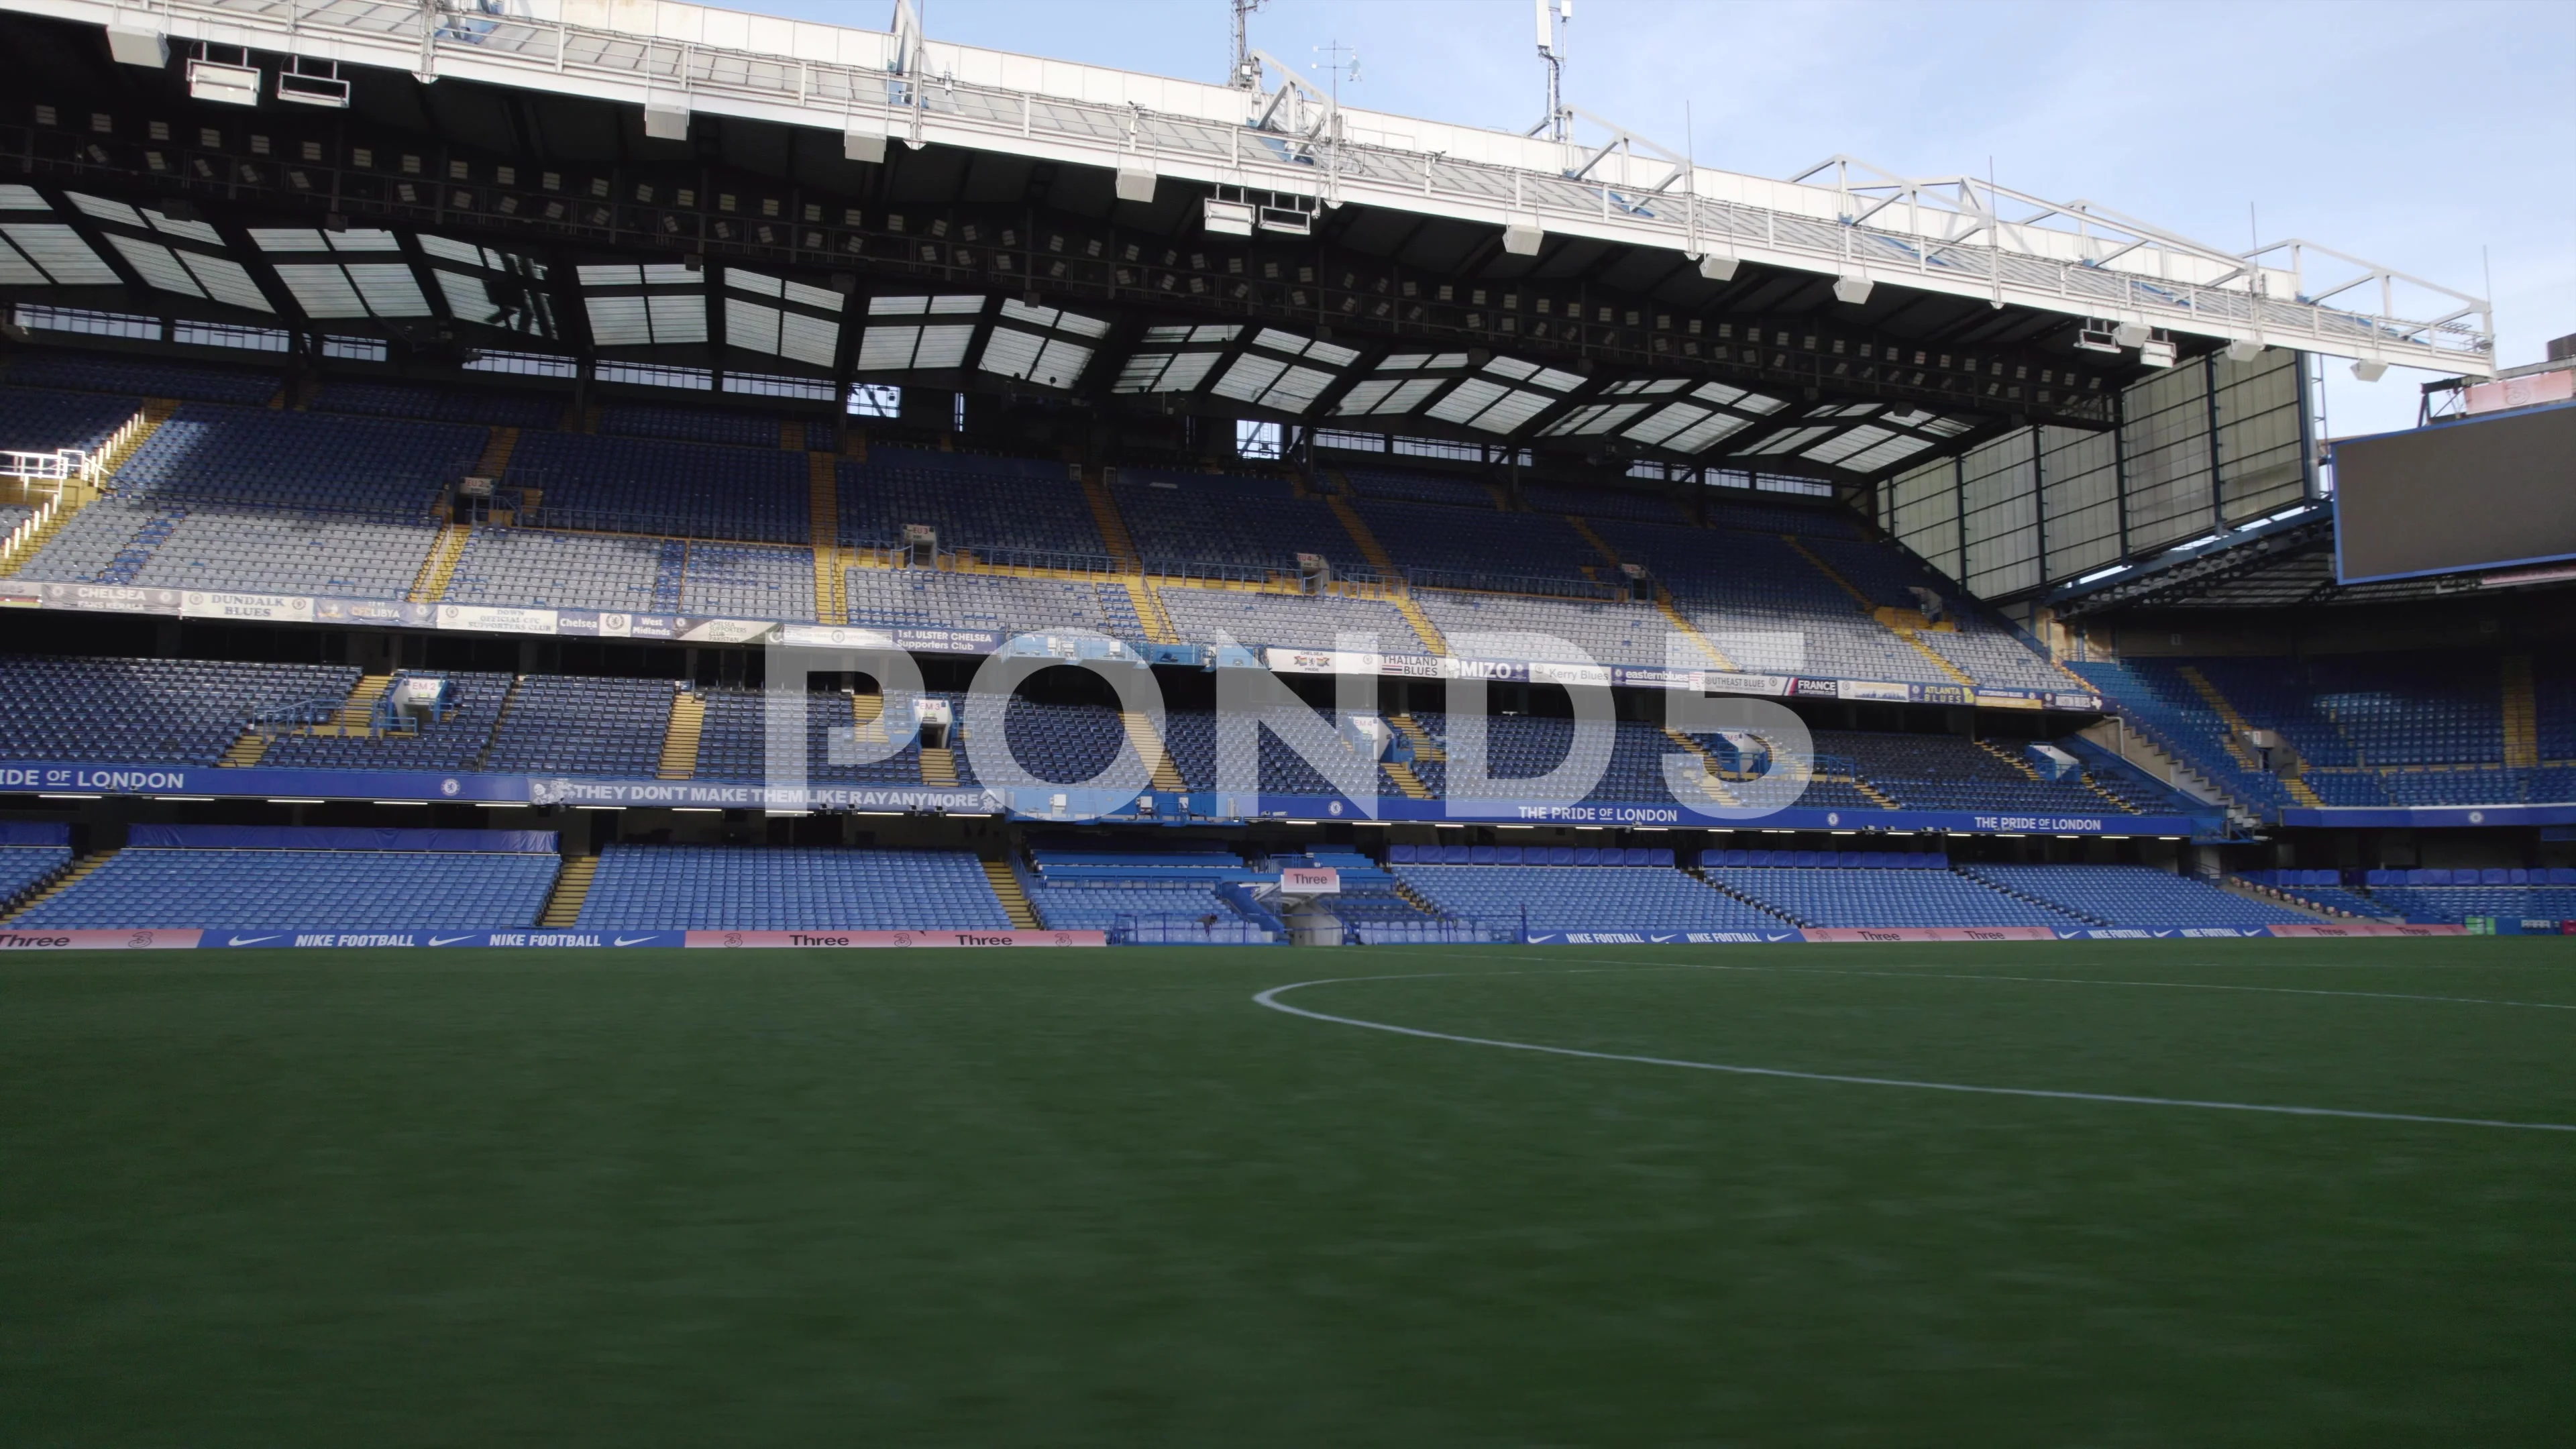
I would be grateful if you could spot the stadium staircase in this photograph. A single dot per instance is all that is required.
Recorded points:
(572, 887)
(71, 876)
(823, 511)
(2237, 727)
(1149, 748)
(437, 569)
(1663, 598)
(2521, 715)
(498, 445)
(1708, 781)
(1905, 624)
(2285, 901)
(1695, 872)
(791, 434)
(867, 718)
(357, 713)
(249, 750)
(2157, 763)
(1366, 542)
(1423, 749)
(939, 767)
(77, 495)
(1015, 901)
(1131, 567)
(680, 736)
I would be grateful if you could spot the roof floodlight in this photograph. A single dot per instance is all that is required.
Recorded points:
(1854, 290)
(138, 47)
(1135, 183)
(1522, 241)
(2244, 350)
(1228, 218)
(226, 85)
(667, 120)
(2132, 334)
(2097, 337)
(863, 141)
(313, 83)
(2157, 352)
(1719, 269)
(2369, 370)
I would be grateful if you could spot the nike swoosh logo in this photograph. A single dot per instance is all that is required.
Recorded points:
(448, 940)
(631, 940)
(248, 940)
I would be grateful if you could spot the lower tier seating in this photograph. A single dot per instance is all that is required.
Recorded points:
(303, 890)
(1552, 899)
(24, 867)
(2131, 895)
(1814, 896)
(1148, 912)
(734, 888)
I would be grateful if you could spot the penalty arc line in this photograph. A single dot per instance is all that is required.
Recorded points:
(1270, 999)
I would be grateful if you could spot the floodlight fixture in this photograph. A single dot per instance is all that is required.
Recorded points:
(2245, 349)
(1854, 290)
(147, 48)
(863, 141)
(224, 83)
(2158, 352)
(2132, 334)
(1719, 268)
(2370, 369)
(2097, 337)
(313, 83)
(667, 120)
(1135, 183)
(1522, 241)
(1226, 218)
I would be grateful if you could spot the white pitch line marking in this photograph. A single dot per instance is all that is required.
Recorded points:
(1270, 999)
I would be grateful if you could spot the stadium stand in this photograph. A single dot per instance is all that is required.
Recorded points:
(2130, 895)
(1287, 621)
(1418, 487)
(455, 740)
(149, 711)
(1569, 898)
(1005, 604)
(647, 485)
(689, 425)
(554, 724)
(545, 569)
(974, 501)
(142, 377)
(1183, 519)
(735, 888)
(1828, 895)
(40, 420)
(286, 889)
(483, 406)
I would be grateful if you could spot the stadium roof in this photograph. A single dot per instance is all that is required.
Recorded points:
(854, 205)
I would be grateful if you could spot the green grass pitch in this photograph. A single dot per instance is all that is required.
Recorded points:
(1061, 1197)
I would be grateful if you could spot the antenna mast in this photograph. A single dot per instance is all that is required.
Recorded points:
(1246, 75)
(1554, 17)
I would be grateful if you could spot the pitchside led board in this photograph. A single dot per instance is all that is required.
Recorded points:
(2481, 493)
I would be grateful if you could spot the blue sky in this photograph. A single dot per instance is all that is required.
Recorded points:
(2411, 134)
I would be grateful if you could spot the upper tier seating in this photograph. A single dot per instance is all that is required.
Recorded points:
(1477, 542)
(639, 485)
(690, 425)
(303, 890)
(170, 543)
(2131, 895)
(976, 502)
(1003, 603)
(1807, 521)
(142, 377)
(1883, 898)
(1946, 772)
(1600, 502)
(490, 407)
(147, 711)
(1554, 899)
(747, 582)
(1419, 487)
(733, 740)
(1977, 645)
(1600, 632)
(1767, 608)
(454, 741)
(733, 888)
(40, 420)
(544, 569)
(1286, 621)
(265, 459)
(610, 727)
(1181, 519)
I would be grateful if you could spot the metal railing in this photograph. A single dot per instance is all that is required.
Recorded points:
(1617, 197)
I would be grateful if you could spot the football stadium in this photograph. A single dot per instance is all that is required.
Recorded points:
(721, 729)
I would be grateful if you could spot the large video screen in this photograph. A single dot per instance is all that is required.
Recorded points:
(2475, 494)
